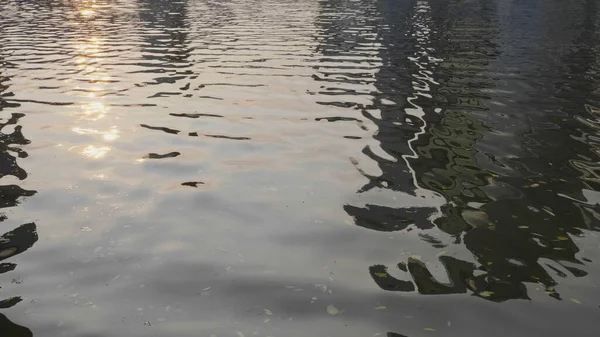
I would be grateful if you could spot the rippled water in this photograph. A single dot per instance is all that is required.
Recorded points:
(299, 168)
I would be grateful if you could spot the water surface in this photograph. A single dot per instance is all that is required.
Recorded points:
(299, 168)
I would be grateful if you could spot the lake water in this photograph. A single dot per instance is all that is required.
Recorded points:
(299, 168)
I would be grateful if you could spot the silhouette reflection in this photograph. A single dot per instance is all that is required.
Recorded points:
(509, 212)
(11, 329)
(167, 51)
(22, 238)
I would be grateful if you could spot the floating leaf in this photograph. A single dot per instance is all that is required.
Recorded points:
(562, 238)
(574, 300)
(332, 310)
(239, 334)
(268, 312)
(429, 329)
(382, 275)
(523, 227)
(266, 320)
(416, 257)
(381, 307)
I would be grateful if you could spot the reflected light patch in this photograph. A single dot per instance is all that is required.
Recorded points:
(97, 105)
(111, 135)
(87, 12)
(107, 135)
(94, 110)
(85, 131)
(95, 152)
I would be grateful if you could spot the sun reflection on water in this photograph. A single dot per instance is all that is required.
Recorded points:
(109, 135)
(94, 152)
(87, 12)
(94, 110)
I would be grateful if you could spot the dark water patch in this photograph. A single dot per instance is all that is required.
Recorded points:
(211, 97)
(388, 219)
(38, 102)
(160, 128)
(227, 137)
(13, 243)
(194, 115)
(12, 329)
(230, 85)
(133, 105)
(385, 281)
(18, 240)
(164, 94)
(162, 156)
(341, 104)
(337, 119)
(192, 183)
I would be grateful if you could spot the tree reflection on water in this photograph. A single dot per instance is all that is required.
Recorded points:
(517, 215)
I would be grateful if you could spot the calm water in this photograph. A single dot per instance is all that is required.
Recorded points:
(299, 168)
